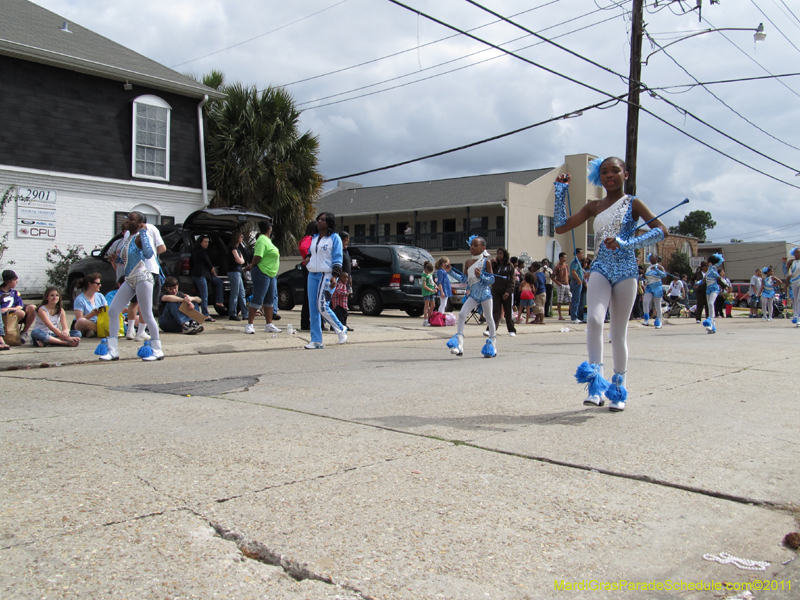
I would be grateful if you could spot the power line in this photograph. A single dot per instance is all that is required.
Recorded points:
(733, 110)
(758, 232)
(574, 113)
(586, 85)
(778, 29)
(790, 11)
(786, 14)
(735, 45)
(418, 46)
(446, 63)
(741, 79)
(186, 62)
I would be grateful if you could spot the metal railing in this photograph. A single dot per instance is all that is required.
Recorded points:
(590, 241)
(448, 240)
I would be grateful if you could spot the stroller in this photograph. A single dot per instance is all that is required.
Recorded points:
(674, 306)
(779, 307)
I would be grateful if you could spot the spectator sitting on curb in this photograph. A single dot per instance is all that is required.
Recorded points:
(50, 326)
(170, 318)
(88, 304)
(3, 345)
(11, 302)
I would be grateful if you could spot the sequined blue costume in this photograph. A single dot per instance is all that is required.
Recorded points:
(711, 280)
(653, 277)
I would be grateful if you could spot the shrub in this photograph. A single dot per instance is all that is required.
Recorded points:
(4, 202)
(62, 261)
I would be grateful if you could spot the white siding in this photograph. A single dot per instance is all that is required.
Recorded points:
(84, 215)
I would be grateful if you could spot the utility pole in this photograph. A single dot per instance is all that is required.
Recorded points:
(632, 133)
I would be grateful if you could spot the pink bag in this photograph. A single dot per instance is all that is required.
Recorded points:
(436, 319)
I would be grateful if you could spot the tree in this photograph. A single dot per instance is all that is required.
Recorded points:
(258, 159)
(679, 264)
(5, 200)
(695, 224)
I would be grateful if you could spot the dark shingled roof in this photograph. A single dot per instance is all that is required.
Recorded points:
(30, 32)
(422, 195)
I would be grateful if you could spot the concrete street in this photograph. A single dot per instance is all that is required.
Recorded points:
(247, 467)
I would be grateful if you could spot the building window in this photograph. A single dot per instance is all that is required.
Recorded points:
(360, 231)
(546, 226)
(687, 248)
(500, 222)
(151, 123)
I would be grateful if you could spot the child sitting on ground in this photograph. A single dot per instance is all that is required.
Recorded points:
(170, 318)
(50, 325)
(428, 292)
(339, 298)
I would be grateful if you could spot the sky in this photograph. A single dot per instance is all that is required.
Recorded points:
(278, 43)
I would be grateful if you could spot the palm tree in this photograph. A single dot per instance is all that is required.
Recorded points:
(258, 159)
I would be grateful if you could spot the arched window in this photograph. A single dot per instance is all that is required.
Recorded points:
(151, 116)
(687, 248)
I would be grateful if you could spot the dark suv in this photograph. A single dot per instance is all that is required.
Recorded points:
(384, 276)
(217, 223)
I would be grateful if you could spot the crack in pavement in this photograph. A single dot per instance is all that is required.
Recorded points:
(260, 552)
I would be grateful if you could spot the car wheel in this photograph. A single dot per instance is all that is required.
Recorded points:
(371, 303)
(415, 312)
(285, 299)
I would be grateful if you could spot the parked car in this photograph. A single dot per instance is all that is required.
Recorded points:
(385, 276)
(741, 294)
(217, 223)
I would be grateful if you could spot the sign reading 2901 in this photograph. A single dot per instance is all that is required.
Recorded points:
(31, 195)
(36, 213)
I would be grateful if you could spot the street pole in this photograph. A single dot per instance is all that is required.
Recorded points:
(632, 133)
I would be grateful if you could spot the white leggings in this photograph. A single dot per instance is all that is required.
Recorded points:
(711, 298)
(796, 298)
(766, 306)
(469, 306)
(144, 293)
(618, 301)
(648, 297)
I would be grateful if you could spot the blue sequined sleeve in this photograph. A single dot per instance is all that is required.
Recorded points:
(651, 237)
(458, 275)
(560, 207)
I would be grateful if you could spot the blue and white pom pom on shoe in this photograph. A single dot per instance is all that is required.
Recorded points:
(709, 325)
(145, 351)
(646, 320)
(589, 373)
(658, 323)
(616, 393)
(102, 347)
(488, 349)
(456, 344)
(796, 321)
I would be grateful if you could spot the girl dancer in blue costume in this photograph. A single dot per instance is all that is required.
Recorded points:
(139, 281)
(793, 275)
(653, 291)
(712, 291)
(768, 293)
(479, 281)
(614, 272)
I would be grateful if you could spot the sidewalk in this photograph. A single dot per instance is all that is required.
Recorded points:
(224, 337)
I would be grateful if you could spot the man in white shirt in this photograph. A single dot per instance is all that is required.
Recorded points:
(676, 290)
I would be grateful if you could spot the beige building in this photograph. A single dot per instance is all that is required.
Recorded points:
(743, 258)
(512, 210)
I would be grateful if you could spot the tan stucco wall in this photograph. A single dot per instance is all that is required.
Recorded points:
(527, 202)
(741, 260)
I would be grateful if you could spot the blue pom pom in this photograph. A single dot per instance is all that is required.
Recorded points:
(469, 241)
(102, 347)
(616, 392)
(657, 323)
(488, 349)
(145, 351)
(593, 172)
(707, 322)
(795, 319)
(453, 342)
(589, 373)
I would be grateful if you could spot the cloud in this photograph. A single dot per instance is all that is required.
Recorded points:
(501, 94)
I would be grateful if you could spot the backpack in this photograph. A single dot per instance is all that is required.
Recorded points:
(436, 319)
